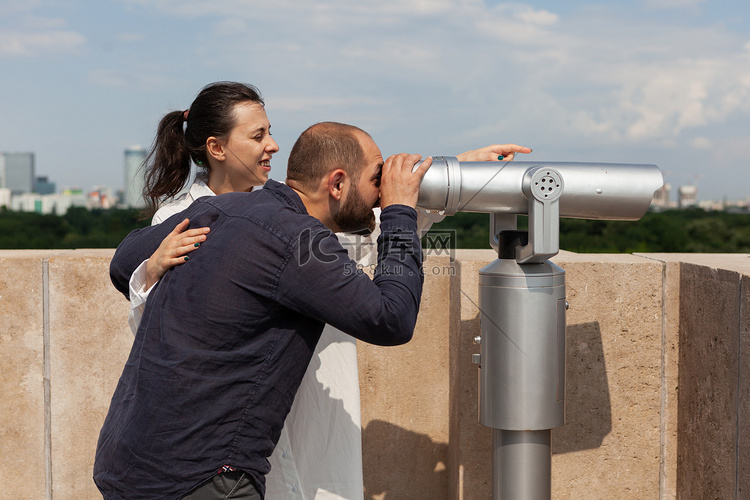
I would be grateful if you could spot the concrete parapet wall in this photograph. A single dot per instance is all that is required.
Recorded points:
(657, 394)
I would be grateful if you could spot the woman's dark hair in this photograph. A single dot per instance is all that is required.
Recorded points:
(167, 166)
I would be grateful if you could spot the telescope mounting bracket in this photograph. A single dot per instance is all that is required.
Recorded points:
(543, 188)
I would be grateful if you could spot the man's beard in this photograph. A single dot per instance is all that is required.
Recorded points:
(355, 216)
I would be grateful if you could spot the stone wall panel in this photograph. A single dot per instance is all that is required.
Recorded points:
(405, 401)
(471, 442)
(743, 407)
(609, 447)
(89, 345)
(708, 371)
(22, 431)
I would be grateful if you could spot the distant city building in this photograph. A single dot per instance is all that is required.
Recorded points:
(687, 196)
(134, 157)
(5, 197)
(42, 185)
(661, 197)
(712, 206)
(76, 195)
(102, 197)
(17, 172)
(27, 202)
(48, 203)
(737, 206)
(60, 203)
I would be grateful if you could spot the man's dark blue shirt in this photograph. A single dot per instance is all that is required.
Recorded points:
(225, 338)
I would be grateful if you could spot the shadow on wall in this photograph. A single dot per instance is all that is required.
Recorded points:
(588, 409)
(588, 413)
(422, 465)
(419, 457)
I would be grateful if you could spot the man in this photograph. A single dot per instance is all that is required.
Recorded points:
(225, 339)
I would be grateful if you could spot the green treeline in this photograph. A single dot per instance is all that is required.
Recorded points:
(692, 230)
(684, 231)
(78, 228)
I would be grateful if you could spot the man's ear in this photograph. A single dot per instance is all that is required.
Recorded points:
(336, 180)
(215, 148)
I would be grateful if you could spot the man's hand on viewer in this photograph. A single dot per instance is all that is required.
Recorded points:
(399, 182)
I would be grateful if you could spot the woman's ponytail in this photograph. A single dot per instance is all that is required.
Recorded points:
(167, 166)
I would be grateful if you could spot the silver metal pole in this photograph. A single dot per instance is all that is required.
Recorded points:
(522, 465)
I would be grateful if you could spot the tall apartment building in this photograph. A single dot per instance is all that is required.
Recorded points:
(687, 196)
(4, 197)
(17, 172)
(134, 157)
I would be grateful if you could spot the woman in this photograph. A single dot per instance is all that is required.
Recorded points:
(227, 134)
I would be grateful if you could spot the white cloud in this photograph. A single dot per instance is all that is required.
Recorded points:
(316, 104)
(726, 152)
(231, 27)
(675, 96)
(108, 78)
(143, 78)
(702, 143)
(642, 84)
(33, 36)
(363, 9)
(600, 73)
(672, 4)
(131, 37)
(41, 23)
(22, 43)
(610, 75)
(10, 9)
(537, 17)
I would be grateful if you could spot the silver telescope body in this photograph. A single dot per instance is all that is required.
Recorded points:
(606, 191)
(522, 294)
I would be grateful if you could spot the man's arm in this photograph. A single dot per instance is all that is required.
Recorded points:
(320, 281)
(323, 283)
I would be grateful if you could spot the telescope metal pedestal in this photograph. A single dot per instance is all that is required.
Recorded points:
(522, 372)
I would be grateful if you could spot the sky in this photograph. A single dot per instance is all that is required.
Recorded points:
(665, 82)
